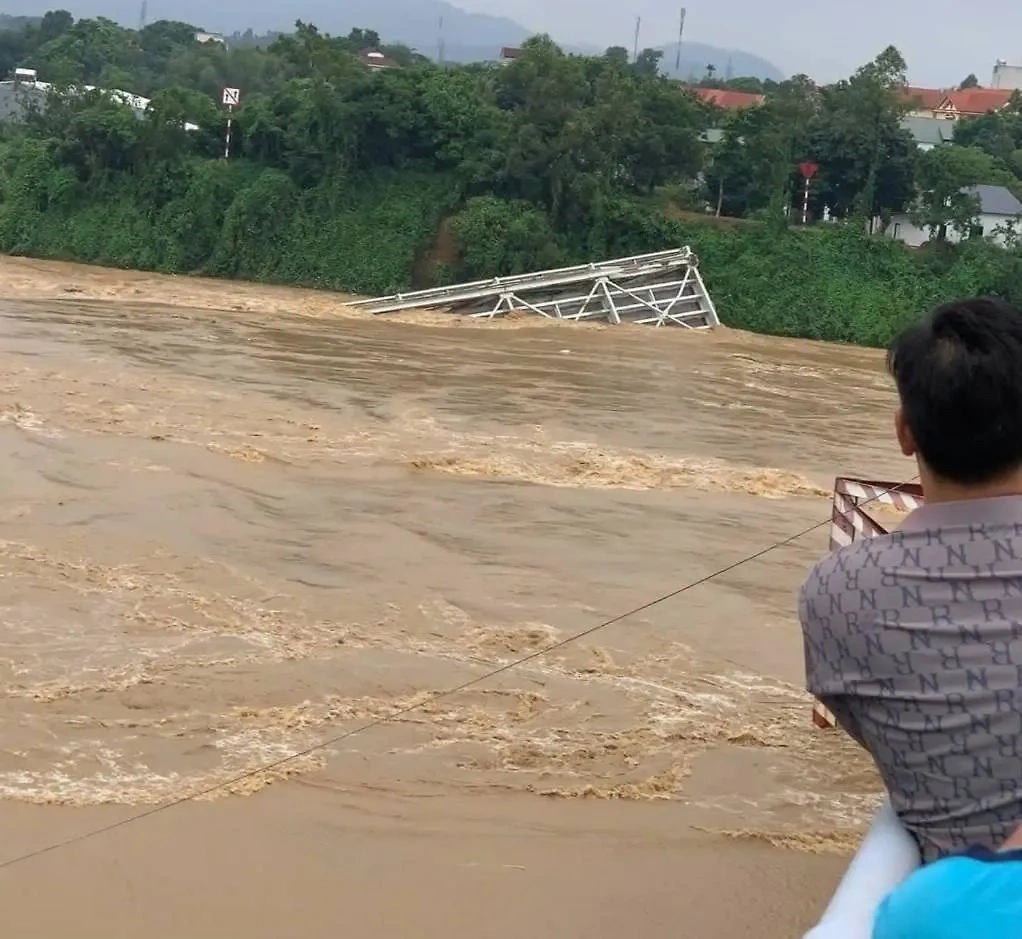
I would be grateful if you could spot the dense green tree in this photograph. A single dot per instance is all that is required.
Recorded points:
(866, 111)
(752, 171)
(364, 38)
(497, 238)
(54, 24)
(648, 62)
(82, 52)
(999, 134)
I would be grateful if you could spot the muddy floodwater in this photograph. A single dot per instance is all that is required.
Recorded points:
(227, 535)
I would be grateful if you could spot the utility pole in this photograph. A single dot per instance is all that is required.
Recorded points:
(681, 33)
(635, 51)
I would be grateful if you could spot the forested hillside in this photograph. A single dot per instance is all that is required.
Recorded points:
(341, 177)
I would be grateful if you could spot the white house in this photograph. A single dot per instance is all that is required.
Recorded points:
(999, 209)
(24, 93)
(376, 61)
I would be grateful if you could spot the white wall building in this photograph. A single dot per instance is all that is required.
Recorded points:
(203, 38)
(1007, 77)
(999, 209)
(25, 93)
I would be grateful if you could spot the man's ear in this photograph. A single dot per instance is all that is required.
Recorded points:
(905, 439)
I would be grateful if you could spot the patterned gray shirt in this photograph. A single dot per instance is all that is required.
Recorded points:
(914, 641)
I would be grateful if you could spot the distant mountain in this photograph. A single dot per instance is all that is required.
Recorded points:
(414, 22)
(695, 56)
(17, 22)
(468, 37)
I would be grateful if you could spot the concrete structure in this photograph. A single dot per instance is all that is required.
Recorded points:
(998, 210)
(1007, 77)
(929, 132)
(18, 99)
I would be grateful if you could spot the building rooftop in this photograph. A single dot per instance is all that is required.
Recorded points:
(975, 100)
(996, 200)
(927, 99)
(929, 131)
(374, 59)
(727, 99)
(10, 90)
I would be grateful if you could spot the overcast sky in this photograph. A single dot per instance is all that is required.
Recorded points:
(942, 40)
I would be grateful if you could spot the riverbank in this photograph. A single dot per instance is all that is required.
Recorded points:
(34, 279)
(37, 279)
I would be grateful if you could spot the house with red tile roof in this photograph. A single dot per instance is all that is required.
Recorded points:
(972, 102)
(923, 101)
(728, 100)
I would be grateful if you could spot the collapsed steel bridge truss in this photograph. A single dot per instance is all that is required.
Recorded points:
(661, 289)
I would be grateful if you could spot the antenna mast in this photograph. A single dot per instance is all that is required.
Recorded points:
(142, 15)
(681, 33)
(635, 51)
(440, 41)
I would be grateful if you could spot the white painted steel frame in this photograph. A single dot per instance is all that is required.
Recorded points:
(664, 288)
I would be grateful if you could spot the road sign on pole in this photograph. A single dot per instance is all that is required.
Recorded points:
(808, 171)
(231, 99)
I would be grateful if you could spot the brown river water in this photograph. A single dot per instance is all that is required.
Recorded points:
(230, 534)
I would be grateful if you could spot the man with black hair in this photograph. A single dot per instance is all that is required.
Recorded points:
(914, 639)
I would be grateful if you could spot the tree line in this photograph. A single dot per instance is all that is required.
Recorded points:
(342, 177)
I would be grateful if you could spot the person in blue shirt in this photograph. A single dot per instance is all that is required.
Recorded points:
(973, 895)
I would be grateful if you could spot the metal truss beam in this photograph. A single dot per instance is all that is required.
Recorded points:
(660, 289)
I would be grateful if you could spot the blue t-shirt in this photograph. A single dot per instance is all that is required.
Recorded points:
(975, 895)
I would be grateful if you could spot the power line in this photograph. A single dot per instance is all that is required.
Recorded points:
(436, 696)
